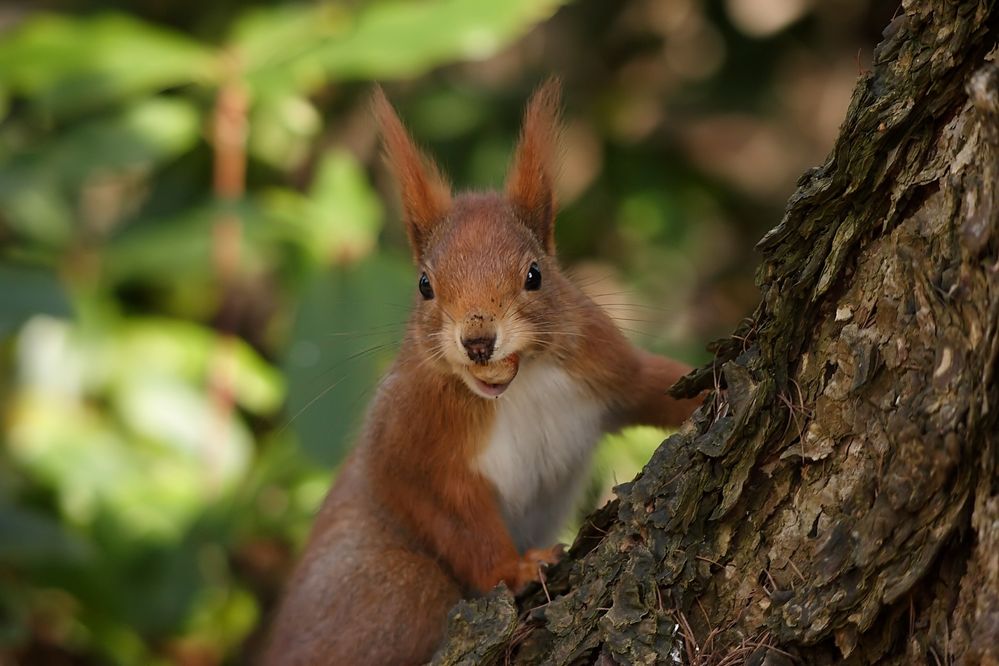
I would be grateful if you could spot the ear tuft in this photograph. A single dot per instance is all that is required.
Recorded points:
(426, 194)
(530, 182)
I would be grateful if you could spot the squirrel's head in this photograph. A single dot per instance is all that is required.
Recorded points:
(488, 282)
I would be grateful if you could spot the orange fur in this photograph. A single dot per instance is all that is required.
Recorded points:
(529, 185)
(414, 522)
(425, 193)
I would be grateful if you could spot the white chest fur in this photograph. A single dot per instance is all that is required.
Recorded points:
(538, 452)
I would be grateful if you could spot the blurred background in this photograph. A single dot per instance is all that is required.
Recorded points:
(203, 272)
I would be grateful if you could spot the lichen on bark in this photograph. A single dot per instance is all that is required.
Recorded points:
(836, 500)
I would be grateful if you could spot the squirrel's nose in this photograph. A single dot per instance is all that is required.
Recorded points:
(479, 349)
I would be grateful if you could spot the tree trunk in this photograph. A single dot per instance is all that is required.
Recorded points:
(836, 500)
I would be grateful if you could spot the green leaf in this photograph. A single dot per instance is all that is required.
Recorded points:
(156, 427)
(142, 136)
(31, 538)
(225, 615)
(282, 129)
(272, 40)
(38, 291)
(67, 65)
(34, 207)
(41, 187)
(396, 39)
(184, 351)
(300, 47)
(346, 332)
(339, 220)
(168, 249)
(177, 249)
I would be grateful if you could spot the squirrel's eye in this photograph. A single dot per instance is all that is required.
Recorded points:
(533, 281)
(425, 289)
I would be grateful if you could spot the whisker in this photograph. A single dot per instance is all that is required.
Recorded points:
(634, 319)
(355, 335)
(343, 361)
(531, 330)
(310, 403)
(436, 354)
(636, 331)
(573, 275)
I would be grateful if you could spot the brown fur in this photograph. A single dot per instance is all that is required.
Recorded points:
(410, 525)
(530, 186)
(425, 193)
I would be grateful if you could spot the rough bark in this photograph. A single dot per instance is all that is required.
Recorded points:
(836, 500)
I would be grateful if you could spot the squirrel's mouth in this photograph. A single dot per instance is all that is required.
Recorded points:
(493, 379)
(490, 390)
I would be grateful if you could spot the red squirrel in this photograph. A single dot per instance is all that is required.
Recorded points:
(480, 434)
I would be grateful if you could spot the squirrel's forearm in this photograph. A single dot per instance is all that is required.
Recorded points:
(633, 381)
(652, 404)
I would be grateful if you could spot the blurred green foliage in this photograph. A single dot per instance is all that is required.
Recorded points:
(199, 287)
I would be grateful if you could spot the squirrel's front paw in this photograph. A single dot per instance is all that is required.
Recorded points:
(545, 556)
(532, 564)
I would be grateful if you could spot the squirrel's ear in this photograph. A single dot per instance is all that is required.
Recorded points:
(530, 182)
(426, 194)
